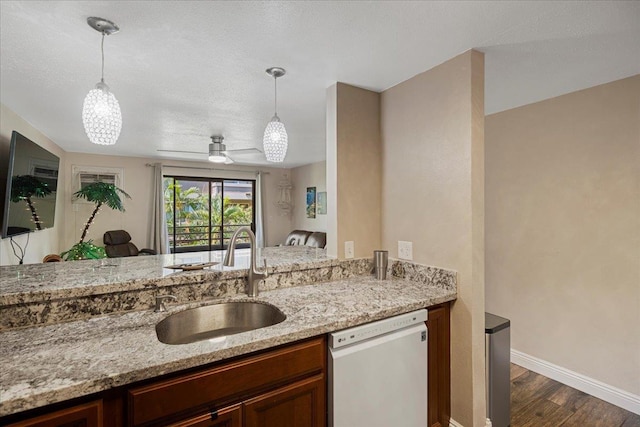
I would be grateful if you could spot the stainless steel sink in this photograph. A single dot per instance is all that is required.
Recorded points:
(217, 320)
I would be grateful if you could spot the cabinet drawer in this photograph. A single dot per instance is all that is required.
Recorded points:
(225, 383)
(87, 415)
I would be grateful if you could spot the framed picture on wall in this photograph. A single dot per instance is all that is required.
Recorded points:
(321, 202)
(311, 202)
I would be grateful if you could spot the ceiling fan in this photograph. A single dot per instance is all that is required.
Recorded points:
(218, 152)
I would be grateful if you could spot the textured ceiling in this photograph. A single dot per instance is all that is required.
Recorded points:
(184, 70)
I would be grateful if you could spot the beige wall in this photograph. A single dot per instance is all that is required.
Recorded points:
(432, 195)
(41, 242)
(138, 183)
(312, 175)
(563, 230)
(354, 155)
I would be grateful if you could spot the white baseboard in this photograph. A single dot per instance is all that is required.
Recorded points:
(606, 392)
(454, 423)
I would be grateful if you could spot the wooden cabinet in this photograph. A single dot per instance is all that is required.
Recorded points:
(286, 384)
(87, 415)
(438, 323)
(299, 405)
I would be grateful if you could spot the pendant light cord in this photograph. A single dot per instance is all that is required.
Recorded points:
(275, 101)
(102, 50)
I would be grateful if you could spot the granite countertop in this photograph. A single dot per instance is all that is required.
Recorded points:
(38, 282)
(53, 363)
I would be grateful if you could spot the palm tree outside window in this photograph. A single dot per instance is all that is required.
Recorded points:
(203, 213)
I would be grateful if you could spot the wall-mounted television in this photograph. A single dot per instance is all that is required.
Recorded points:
(32, 184)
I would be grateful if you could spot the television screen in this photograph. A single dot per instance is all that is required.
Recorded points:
(32, 182)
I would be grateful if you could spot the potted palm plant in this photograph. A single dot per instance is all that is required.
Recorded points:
(100, 193)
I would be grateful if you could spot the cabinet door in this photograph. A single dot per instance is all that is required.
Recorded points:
(301, 404)
(439, 366)
(230, 416)
(87, 415)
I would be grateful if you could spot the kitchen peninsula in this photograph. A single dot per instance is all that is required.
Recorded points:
(51, 359)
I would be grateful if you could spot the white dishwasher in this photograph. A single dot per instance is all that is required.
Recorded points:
(378, 373)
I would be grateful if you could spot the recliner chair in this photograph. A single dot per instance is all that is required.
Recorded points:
(317, 239)
(297, 237)
(117, 244)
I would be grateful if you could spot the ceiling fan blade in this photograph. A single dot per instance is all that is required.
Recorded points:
(229, 161)
(181, 151)
(244, 150)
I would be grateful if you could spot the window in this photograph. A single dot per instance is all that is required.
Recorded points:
(203, 213)
(85, 175)
(90, 178)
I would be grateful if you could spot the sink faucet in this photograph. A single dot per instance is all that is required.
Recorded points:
(255, 275)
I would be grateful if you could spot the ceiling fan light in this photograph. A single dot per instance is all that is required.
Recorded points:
(216, 154)
(275, 141)
(218, 158)
(101, 116)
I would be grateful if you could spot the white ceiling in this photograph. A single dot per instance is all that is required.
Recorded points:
(185, 70)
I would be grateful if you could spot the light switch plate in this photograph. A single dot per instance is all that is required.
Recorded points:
(405, 250)
(349, 251)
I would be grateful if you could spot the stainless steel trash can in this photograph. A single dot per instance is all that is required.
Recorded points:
(498, 359)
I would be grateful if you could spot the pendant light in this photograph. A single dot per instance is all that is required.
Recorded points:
(275, 139)
(101, 112)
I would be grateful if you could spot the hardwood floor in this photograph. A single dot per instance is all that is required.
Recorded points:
(538, 401)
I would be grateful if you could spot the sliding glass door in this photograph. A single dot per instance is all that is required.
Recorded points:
(203, 213)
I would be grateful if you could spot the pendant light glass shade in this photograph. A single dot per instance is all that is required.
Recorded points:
(101, 116)
(275, 140)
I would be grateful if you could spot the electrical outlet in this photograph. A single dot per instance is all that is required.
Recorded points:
(405, 250)
(349, 251)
